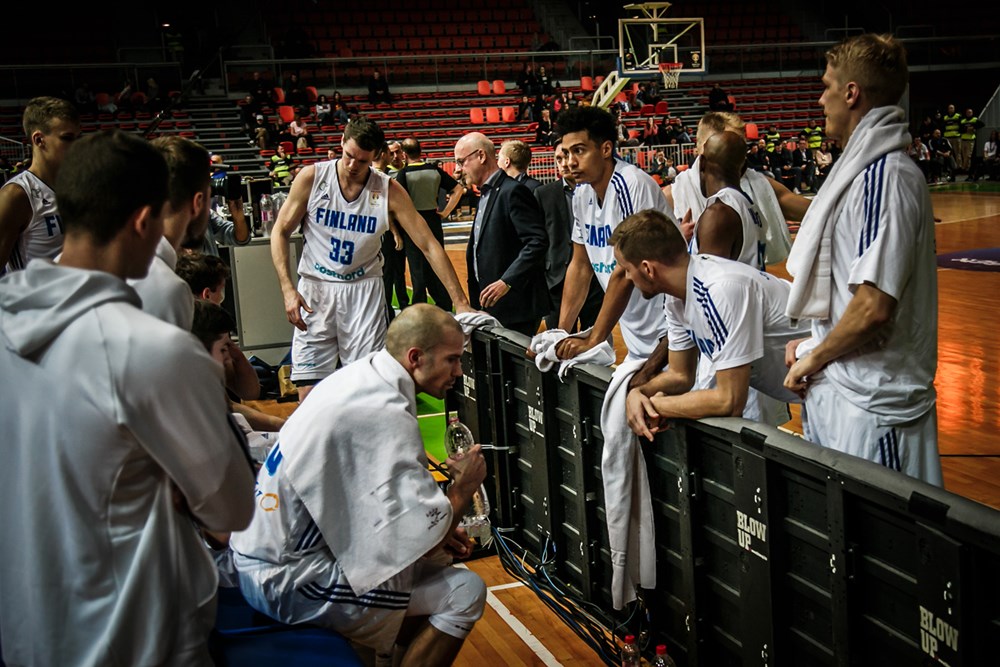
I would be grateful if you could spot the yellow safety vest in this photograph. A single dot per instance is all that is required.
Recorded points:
(969, 136)
(772, 141)
(951, 124)
(814, 135)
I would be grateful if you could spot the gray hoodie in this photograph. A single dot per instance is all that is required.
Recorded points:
(115, 436)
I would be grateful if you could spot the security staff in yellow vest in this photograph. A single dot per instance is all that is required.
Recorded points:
(813, 135)
(967, 141)
(952, 123)
(281, 167)
(773, 138)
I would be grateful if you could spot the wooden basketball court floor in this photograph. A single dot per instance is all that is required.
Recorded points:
(517, 629)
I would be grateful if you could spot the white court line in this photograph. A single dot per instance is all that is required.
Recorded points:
(979, 217)
(515, 625)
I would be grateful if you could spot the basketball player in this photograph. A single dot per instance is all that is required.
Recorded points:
(866, 276)
(352, 528)
(116, 439)
(30, 225)
(164, 294)
(608, 190)
(719, 312)
(344, 207)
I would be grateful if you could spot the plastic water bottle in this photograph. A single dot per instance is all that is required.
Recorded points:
(630, 652)
(476, 522)
(267, 214)
(662, 659)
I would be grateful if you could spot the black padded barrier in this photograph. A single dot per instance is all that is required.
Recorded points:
(770, 550)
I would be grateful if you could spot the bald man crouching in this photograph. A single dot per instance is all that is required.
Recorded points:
(350, 527)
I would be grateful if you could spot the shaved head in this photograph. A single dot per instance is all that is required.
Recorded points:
(725, 153)
(475, 141)
(421, 326)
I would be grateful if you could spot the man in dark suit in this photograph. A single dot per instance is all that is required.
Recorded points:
(554, 199)
(803, 161)
(506, 251)
(514, 158)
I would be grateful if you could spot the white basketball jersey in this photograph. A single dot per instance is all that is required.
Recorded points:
(754, 241)
(342, 240)
(631, 190)
(43, 237)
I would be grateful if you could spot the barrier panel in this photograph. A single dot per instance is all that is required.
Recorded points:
(770, 550)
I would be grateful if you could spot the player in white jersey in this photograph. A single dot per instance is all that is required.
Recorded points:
(30, 226)
(608, 191)
(164, 294)
(350, 524)
(344, 206)
(725, 312)
(865, 274)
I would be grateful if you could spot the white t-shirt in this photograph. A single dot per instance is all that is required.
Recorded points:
(884, 235)
(342, 240)
(735, 315)
(43, 237)
(754, 246)
(631, 190)
(164, 294)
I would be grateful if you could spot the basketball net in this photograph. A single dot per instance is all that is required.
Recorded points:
(671, 73)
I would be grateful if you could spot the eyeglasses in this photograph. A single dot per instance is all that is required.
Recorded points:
(460, 161)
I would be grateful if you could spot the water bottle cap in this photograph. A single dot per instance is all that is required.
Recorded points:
(661, 649)
(629, 639)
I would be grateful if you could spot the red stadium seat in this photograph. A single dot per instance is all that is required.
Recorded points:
(476, 116)
(508, 114)
(661, 107)
(286, 112)
(492, 115)
(499, 87)
(598, 80)
(279, 95)
(586, 84)
(647, 110)
(484, 87)
(312, 93)
(752, 132)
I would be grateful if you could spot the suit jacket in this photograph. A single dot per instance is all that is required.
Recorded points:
(807, 163)
(559, 227)
(511, 247)
(529, 182)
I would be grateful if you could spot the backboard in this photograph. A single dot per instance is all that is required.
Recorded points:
(644, 43)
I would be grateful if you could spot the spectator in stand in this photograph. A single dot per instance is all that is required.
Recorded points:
(803, 161)
(295, 91)
(926, 130)
(718, 99)
(526, 81)
(922, 156)
(544, 84)
(339, 108)
(943, 154)
(249, 110)
(545, 134)
(260, 89)
(561, 102)
(662, 167)
(263, 133)
(650, 132)
(758, 161)
(624, 136)
(683, 136)
(84, 99)
(378, 89)
(323, 111)
(299, 129)
(642, 96)
(525, 112)
(824, 162)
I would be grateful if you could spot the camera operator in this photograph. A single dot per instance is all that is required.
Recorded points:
(234, 230)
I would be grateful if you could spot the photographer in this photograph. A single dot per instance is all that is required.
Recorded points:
(235, 230)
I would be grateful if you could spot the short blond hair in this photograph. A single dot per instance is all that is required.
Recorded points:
(876, 63)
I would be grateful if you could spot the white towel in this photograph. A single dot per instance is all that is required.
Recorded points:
(544, 346)
(776, 234)
(627, 501)
(881, 131)
(686, 192)
(473, 320)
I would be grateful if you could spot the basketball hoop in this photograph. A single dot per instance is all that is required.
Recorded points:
(671, 73)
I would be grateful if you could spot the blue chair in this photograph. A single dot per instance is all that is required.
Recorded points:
(245, 637)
